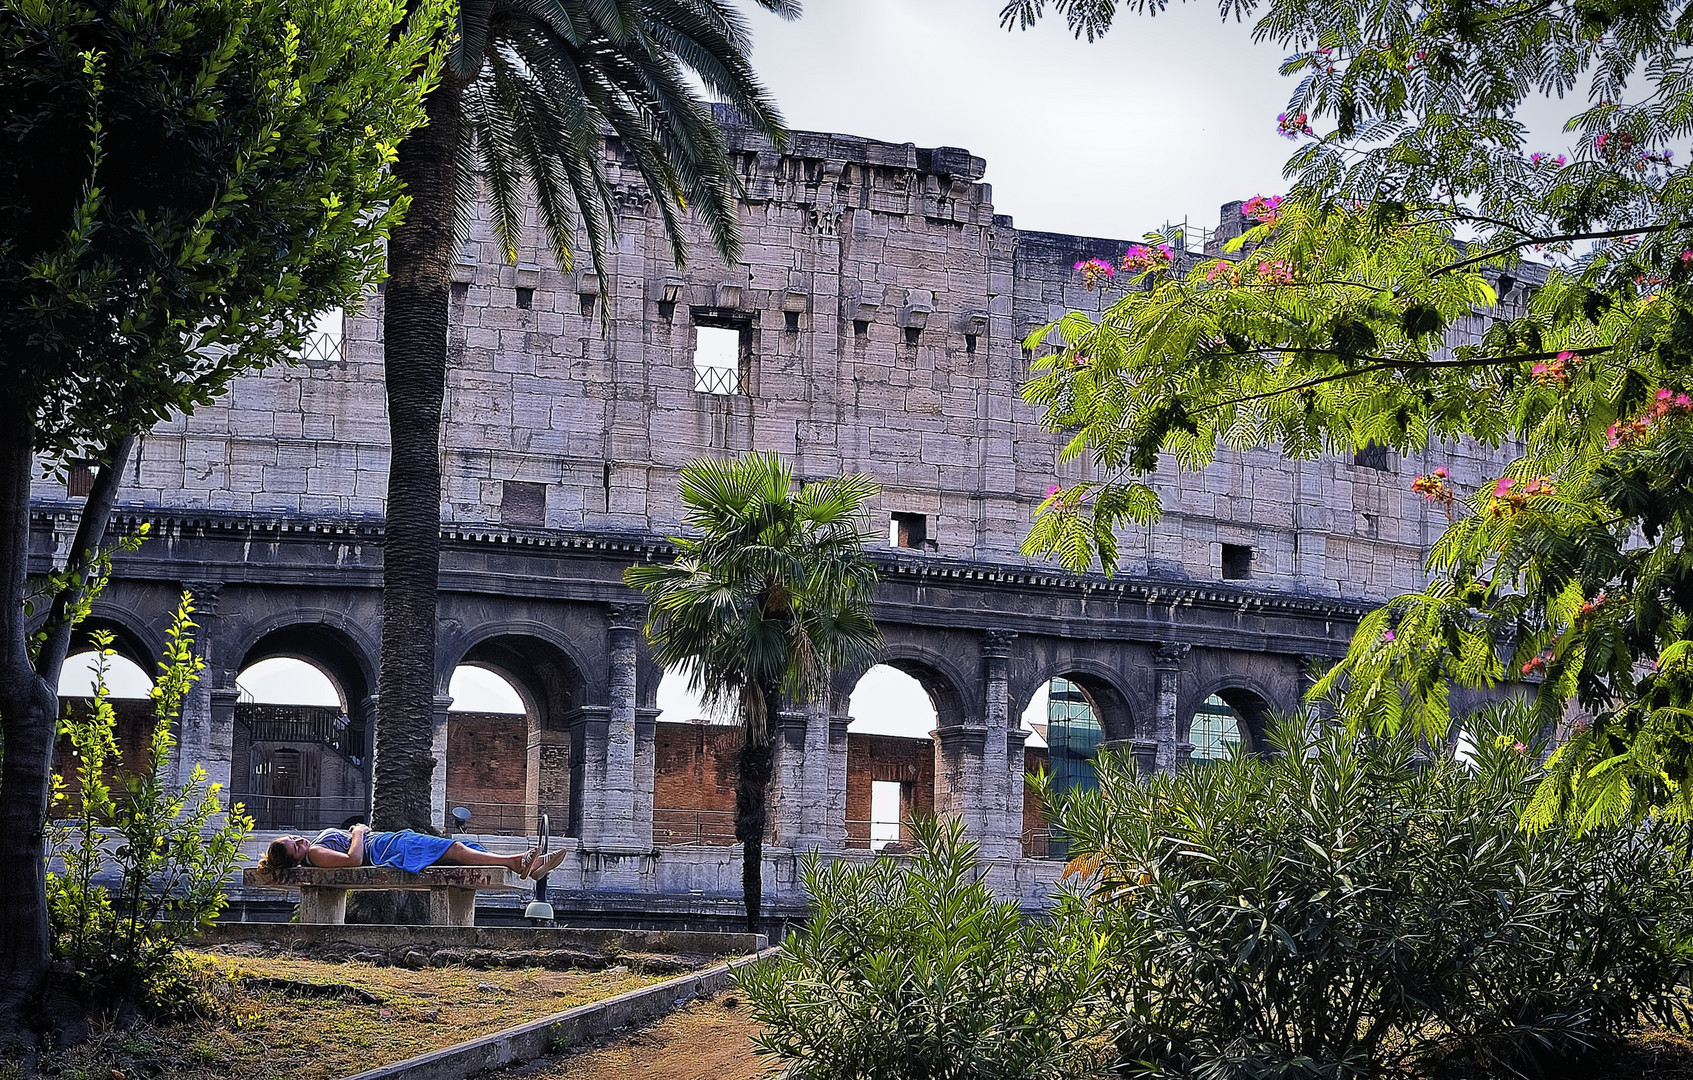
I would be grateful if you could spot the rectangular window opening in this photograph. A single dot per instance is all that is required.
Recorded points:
(969, 343)
(909, 531)
(913, 334)
(1371, 456)
(721, 359)
(884, 813)
(790, 321)
(667, 310)
(525, 298)
(326, 340)
(523, 504)
(861, 331)
(1237, 562)
(79, 479)
(585, 304)
(460, 290)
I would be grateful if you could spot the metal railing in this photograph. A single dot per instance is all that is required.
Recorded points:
(717, 380)
(505, 818)
(332, 730)
(306, 813)
(693, 827)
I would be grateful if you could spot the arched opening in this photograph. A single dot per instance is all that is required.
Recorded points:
(888, 701)
(128, 690)
(288, 680)
(1227, 722)
(508, 752)
(1215, 732)
(125, 679)
(678, 704)
(1068, 730)
(487, 753)
(697, 751)
(890, 753)
(300, 758)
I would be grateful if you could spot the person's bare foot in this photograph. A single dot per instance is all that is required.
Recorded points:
(542, 866)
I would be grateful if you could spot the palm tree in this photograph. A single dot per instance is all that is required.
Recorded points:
(761, 607)
(528, 93)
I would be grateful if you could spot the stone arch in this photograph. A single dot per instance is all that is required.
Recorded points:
(505, 769)
(938, 675)
(342, 647)
(1251, 701)
(306, 767)
(132, 637)
(527, 643)
(1112, 700)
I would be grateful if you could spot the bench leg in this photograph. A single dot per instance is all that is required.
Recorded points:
(452, 907)
(321, 905)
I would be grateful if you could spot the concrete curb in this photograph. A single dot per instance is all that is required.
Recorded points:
(373, 936)
(582, 1024)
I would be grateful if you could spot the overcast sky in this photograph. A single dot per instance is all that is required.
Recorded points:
(1166, 117)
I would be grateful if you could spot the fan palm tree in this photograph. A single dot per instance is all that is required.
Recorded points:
(530, 91)
(761, 607)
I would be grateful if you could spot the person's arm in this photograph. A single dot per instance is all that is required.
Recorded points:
(329, 858)
(318, 855)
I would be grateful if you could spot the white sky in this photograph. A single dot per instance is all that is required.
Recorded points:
(1166, 117)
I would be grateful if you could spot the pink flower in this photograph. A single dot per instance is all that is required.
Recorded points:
(1518, 747)
(1387, 635)
(1502, 488)
(1052, 490)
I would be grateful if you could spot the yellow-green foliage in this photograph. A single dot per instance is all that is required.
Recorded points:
(144, 864)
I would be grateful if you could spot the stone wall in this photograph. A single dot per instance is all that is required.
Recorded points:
(881, 304)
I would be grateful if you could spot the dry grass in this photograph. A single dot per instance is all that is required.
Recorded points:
(708, 1040)
(259, 1034)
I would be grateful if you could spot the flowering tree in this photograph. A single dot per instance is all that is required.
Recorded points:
(1417, 194)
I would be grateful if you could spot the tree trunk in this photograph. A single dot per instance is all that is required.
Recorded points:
(420, 254)
(29, 708)
(28, 714)
(752, 797)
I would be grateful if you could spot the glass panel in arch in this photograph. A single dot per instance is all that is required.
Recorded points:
(1072, 736)
(1216, 730)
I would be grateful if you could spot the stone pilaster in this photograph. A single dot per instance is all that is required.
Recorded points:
(198, 738)
(607, 803)
(1167, 662)
(1002, 754)
(222, 765)
(438, 778)
(801, 780)
(834, 818)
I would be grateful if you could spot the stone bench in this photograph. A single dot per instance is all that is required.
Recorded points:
(452, 889)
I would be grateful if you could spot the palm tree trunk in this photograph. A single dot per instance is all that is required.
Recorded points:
(752, 796)
(420, 253)
(28, 711)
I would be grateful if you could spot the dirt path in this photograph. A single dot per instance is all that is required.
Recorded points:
(708, 1040)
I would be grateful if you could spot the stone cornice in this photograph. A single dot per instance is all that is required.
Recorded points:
(896, 568)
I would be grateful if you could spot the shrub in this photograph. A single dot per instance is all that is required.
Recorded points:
(1353, 906)
(165, 848)
(913, 969)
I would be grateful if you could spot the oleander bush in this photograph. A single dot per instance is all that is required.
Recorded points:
(1354, 906)
(910, 968)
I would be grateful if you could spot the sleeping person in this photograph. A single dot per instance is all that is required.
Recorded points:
(404, 850)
